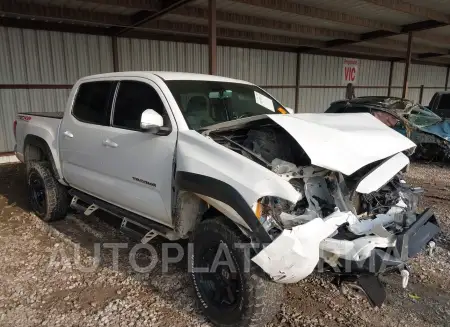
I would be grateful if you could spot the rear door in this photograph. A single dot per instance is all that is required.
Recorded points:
(82, 132)
(139, 164)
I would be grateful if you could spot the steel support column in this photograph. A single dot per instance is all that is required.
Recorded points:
(407, 64)
(446, 78)
(391, 71)
(421, 94)
(212, 37)
(114, 54)
(297, 83)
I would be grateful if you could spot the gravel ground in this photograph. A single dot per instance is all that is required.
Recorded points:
(45, 278)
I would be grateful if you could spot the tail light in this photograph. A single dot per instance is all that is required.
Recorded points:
(15, 128)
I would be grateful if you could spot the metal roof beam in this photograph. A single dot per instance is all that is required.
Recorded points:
(324, 14)
(412, 9)
(165, 7)
(429, 55)
(228, 17)
(150, 5)
(435, 38)
(53, 26)
(372, 51)
(57, 13)
(394, 44)
(231, 34)
(420, 26)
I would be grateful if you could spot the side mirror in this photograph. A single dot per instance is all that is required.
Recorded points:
(289, 110)
(151, 121)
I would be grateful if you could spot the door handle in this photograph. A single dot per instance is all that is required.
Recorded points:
(110, 143)
(68, 134)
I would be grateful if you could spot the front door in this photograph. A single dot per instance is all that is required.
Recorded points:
(140, 163)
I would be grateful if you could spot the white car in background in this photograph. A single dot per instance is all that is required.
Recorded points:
(219, 161)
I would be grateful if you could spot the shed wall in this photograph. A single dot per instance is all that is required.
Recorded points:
(37, 69)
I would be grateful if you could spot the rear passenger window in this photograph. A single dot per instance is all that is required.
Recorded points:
(132, 99)
(92, 103)
(444, 102)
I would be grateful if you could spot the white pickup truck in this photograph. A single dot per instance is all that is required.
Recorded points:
(222, 162)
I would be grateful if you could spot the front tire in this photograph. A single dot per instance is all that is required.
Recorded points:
(230, 297)
(47, 197)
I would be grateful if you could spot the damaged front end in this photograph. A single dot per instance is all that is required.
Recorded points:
(355, 225)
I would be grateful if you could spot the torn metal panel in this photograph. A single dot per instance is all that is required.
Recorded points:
(383, 174)
(295, 253)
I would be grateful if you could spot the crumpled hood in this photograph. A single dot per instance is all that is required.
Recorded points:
(339, 142)
(441, 130)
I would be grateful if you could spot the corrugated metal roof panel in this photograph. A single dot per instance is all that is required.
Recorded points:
(439, 5)
(444, 30)
(363, 9)
(250, 28)
(403, 38)
(86, 5)
(242, 8)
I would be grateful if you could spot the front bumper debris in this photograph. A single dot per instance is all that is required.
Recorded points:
(407, 245)
(295, 254)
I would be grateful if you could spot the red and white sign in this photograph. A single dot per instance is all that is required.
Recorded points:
(350, 71)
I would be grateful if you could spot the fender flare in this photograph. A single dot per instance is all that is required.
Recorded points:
(40, 143)
(225, 193)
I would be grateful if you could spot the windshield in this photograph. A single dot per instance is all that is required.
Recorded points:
(205, 103)
(422, 117)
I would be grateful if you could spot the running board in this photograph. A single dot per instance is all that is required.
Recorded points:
(134, 225)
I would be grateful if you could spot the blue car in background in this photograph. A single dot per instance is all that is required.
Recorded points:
(429, 131)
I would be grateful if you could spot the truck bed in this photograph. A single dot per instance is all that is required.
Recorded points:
(56, 115)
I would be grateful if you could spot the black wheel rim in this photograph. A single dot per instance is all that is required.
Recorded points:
(220, 288)
(38, 198)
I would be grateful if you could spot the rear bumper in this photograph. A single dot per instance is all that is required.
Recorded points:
(18, 154)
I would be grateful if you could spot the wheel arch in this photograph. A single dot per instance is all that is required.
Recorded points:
(224, 199)
(37, 149)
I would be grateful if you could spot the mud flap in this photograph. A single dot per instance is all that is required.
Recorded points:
(369, 285)
(373, 288)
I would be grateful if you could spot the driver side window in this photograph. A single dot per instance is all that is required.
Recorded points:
(132, 99)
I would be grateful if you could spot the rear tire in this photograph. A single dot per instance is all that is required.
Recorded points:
(47, 197)
(255, 300)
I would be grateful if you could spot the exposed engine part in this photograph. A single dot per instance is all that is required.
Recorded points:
(323, 191)
(269, 144)
(248, 153)
(319, 197)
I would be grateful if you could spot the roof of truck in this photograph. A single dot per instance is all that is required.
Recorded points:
(169, 76)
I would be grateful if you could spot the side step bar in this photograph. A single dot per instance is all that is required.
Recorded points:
(134, 225)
